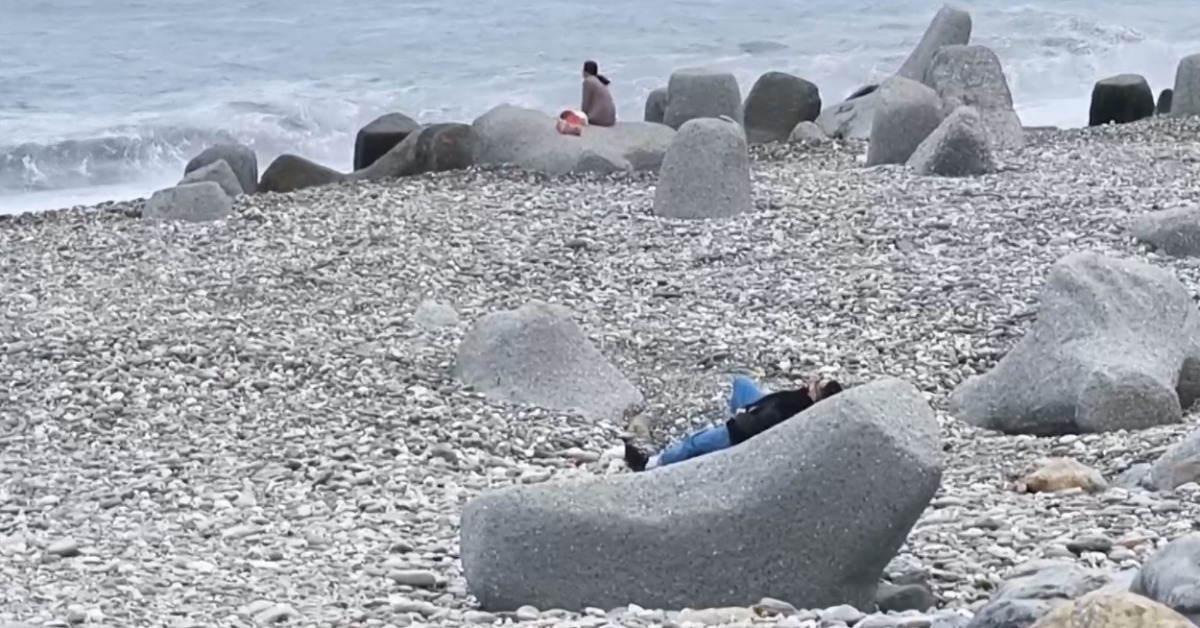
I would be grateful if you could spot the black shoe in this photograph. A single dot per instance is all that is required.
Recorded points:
(635, 458)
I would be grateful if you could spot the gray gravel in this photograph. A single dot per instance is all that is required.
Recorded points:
(239, 423)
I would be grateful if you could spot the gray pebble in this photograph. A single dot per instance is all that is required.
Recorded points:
(275, 613)
(769, 605)
(844, 613)
(1090, 543)
(878, 621)
(423, 608)
(66, 548)
(414, 578)
(479, 617)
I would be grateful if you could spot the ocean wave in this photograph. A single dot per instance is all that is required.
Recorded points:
(100, 160)
(105, 152)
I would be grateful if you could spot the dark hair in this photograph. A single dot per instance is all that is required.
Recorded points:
(591, 69)
(831, 388)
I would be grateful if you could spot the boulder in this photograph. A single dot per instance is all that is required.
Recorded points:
(701, 93)
(1178, 465)
(1175, 232)
(241, 160)
(1171, 576)
(870, 456)
(434, 148)
(1053, 475)
(807, 133)
(1113, 610)
(218, 172)
(289, 173)
(950, 26)
(537, 355)
(1122, 98)
(1035, 588)
(777, 102)
(852, 118)
(656, 106)
(1185, 99)
(706, 172)
(958, 147)
(1114, 347)
(906, 112)
(973, 76)
(381, 135)
(1164, 102)
(191, 202)
(529, 139)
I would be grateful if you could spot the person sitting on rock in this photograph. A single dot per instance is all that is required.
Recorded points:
(598, 103)
(752, 411)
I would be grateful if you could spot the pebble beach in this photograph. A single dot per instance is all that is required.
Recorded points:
(253, 421)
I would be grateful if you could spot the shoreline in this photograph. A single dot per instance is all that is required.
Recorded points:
(757, 151)
(166, 180)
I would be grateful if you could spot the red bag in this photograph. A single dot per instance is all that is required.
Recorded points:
(571, 123)
(566, 128)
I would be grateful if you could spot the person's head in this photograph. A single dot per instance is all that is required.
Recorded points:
(819, 389)
(590, 68)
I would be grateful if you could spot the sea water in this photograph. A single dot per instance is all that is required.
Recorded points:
(106, 100)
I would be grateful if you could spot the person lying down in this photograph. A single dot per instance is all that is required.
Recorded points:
(751, 411)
